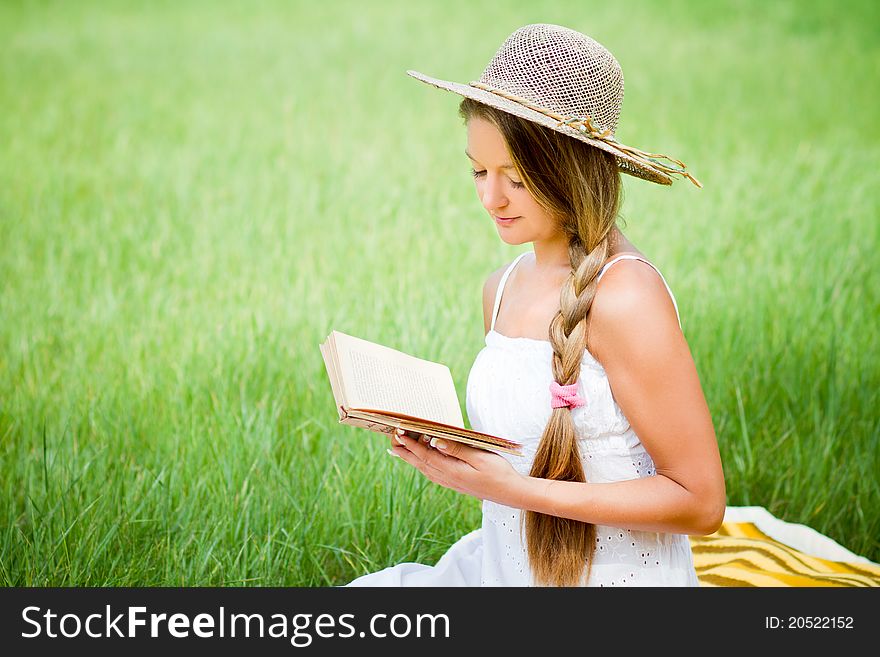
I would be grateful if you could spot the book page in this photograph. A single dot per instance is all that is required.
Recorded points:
(418, 424)
(380, 423)
(332, 373)
(378, 377)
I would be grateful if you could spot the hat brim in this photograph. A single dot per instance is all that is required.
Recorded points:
(625, 163)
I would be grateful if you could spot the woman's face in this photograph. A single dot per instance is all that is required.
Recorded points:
(501, 190)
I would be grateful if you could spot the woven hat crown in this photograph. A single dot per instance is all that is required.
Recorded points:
(569, 83)
(560, 69)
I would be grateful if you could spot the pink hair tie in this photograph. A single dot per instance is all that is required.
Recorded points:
(565, 395)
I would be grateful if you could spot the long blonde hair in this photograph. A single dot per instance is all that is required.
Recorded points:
(580, 187)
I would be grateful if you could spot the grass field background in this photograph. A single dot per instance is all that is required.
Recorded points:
(192, 195)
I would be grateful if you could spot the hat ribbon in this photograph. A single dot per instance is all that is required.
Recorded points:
(585, 125)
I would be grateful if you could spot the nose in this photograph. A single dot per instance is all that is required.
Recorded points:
(491, 193)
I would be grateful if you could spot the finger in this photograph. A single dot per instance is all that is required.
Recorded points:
(456, 449)
(418, 462)
(410, 442)
(422, 456)
(407, 434)
(434, 464)
(399, 437)
(409, 438)
(434, 459)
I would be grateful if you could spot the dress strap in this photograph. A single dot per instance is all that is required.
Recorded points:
(501, 287)
(630, 256)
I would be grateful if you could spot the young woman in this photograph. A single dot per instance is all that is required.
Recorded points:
(585, 362)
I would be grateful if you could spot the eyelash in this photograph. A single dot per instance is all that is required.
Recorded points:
(477, 174)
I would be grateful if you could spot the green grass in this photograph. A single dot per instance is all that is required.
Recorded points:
(193, 196)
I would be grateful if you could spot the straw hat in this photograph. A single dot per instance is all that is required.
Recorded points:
(568, 82)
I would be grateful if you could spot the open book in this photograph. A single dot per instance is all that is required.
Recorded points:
(381, 389)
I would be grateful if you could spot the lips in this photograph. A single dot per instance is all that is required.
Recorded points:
(503, 221)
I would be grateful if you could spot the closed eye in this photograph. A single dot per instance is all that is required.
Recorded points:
(478, 174)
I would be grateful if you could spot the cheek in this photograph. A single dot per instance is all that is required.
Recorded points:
(479, 188)
(525, 201)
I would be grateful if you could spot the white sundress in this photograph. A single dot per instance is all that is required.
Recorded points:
(508, 395)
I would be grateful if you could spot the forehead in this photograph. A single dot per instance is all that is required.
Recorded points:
(486, 145)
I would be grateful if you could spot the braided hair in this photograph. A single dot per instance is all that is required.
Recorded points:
(580, 187)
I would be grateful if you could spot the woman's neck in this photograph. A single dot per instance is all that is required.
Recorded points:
(552, 254)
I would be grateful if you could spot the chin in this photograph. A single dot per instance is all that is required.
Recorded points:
(512, 238)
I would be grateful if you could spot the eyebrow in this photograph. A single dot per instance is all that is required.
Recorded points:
(503, 166)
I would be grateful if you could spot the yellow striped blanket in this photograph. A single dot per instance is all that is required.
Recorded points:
(754, 548)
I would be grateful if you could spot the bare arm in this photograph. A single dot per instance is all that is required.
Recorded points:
(655, 383)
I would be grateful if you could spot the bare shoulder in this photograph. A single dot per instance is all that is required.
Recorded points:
(635, 335)
(490, 287)
(631, 307)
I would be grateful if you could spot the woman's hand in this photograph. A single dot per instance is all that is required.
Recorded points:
(476, 472)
